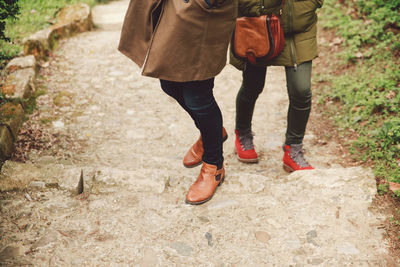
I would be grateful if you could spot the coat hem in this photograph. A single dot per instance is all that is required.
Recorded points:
(136, 60)
(173, 78)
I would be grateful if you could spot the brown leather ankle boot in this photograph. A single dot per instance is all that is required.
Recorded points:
(194, 155)
(207, 182)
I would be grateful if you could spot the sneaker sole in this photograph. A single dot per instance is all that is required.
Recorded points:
(201, 161)
(287, 168)
(290, 169)
(244, 160)
(207, 199)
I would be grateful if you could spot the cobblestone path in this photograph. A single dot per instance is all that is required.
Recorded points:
(128, 138)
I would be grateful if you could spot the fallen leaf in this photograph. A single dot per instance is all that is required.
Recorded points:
(8, 89)
(394, 186)
(262, 236)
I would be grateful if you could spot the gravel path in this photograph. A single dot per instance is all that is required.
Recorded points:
(128, 138)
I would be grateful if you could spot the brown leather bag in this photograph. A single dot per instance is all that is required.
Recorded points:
(258, 39)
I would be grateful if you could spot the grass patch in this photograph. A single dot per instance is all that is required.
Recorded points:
(34, 16)
(365, 86)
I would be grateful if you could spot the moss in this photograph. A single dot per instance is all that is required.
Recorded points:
(63, 98)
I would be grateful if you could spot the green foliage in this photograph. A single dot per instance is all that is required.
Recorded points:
(368, 94)
(394, 221)
(368, 26)
(9, 9)
(383, 189)
(34, 16)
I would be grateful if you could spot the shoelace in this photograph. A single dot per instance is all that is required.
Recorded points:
(297, 154)
(246, 140)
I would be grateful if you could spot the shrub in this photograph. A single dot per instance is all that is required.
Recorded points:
(9, 9)
(368, 96)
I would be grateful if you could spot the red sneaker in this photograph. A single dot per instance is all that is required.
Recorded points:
(244, 147)
(293, 158)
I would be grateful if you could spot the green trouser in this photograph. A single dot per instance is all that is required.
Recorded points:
(298, 84)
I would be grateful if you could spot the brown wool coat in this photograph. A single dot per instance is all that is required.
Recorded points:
(189, 41)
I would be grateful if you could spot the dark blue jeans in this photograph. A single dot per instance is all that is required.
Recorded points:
(196, 97)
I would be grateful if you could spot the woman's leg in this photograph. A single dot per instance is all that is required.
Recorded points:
(299, 90)
(252, 85)
(199, 99)
(175, 90)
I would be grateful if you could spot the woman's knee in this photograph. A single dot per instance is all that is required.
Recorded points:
(301, 97)
(199, 97)
(253, 81)
(199, 103)
(299, 83)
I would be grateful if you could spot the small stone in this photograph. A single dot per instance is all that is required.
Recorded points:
(204, 219)
(316, 261)
(136, 134)
(46, 160)
(80, 186)
(77, 262)
(9, 252)
(253, 185)
(28, 197)
(348, 249)
(209, 239)
(223, 204)
(49, 237)
(27, 227)
(116, 73)
(337, 41)
(274, 223)
(311, 236)
(182, 248)
(62, 101)
(37, 184)
(262, 236)
(45, 64)
(58, 124)
(149, 258)
(293, 243)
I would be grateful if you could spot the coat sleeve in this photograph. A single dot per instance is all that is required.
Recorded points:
(304, 15)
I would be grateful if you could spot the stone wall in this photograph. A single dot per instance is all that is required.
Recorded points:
(19, 76)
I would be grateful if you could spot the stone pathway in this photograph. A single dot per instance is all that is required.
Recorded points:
(128, 138)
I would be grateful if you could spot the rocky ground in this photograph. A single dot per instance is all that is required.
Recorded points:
(101, 119)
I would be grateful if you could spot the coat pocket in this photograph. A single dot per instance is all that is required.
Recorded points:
(304, 16)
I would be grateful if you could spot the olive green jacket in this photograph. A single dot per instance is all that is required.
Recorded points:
(299, 22)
